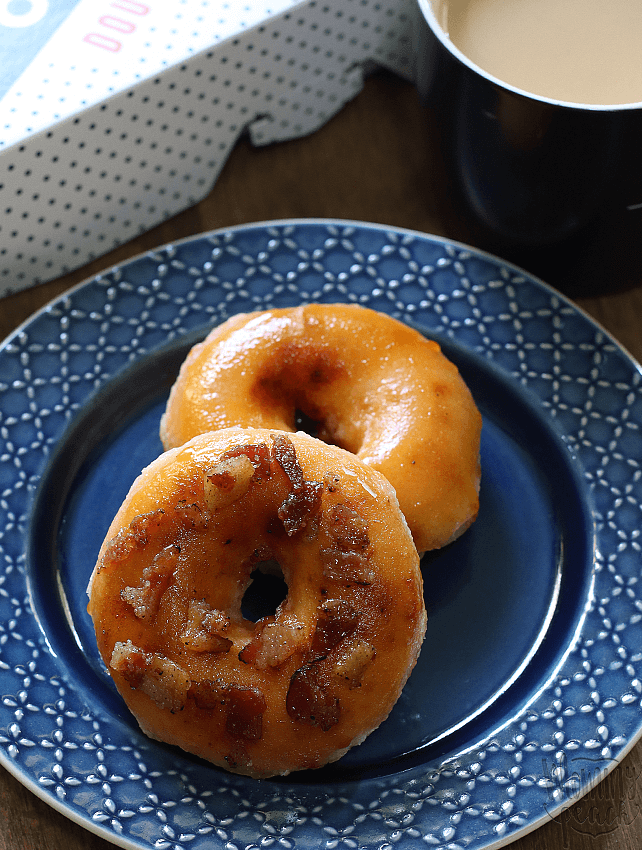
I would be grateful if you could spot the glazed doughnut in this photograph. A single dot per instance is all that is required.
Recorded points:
(304, 683)
(352, 377)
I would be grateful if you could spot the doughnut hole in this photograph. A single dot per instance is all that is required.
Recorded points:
(266, 592)
(308, 387)
(304, 422)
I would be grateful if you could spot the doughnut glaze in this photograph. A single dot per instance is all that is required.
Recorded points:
(302, 685)
(352, 377)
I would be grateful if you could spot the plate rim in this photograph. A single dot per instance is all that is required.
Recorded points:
(84, 821)
(339, 222)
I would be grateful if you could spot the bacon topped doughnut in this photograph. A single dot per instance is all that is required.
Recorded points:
(352, 377)
(300, 686)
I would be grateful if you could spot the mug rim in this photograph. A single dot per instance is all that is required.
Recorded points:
(427, 11)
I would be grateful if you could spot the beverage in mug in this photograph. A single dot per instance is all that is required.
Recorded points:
(578, 51)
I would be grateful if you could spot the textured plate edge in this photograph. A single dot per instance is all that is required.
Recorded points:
(65, 809)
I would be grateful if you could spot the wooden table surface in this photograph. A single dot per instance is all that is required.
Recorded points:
(377, 161)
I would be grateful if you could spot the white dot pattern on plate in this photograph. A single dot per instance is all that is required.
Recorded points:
(113, 777)
(118, 167)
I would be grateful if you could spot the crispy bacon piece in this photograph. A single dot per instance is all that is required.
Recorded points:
(349, 530)
(142, 527)
(245, 707)
(353, 665)
(258, 454)
(347, 558)
(227, 481)
(137, 534)
(285, 455)
(298, 508)
(165, 683)
(162, 680)
(131, 661)
(205, 628)
(304, 500)
(345, 566)
(273, 642)
(230, 479)
(206, 695)
(191, 515)
(309, 699)
(145, 599)
(118, 549)
(337, 621)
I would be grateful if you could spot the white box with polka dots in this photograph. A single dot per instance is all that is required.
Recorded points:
(117, 114)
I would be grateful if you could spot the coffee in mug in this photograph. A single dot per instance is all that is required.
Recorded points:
(577, 51)
(538, 109)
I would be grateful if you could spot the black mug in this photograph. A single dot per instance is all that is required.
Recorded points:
(531, 170)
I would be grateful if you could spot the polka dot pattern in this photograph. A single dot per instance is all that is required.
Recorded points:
(118, 167)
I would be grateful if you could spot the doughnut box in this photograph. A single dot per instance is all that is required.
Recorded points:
(117, 114)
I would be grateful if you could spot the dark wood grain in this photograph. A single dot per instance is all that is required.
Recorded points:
(378, 160)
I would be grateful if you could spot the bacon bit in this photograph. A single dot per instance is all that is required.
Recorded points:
(227, 481)
(258, 454)
(137, 534)
(309, 700)
(205, 627)
(118, 549)
(299, 508)
(304, 501)
(221, 479)
(138, 598)
(346, 566)
(250, 651)
(337, 621)
(158, 677)
(285, 456)
(332, 483)
(348, 556)
(130, 661)
(206, 695)
(162, 680)
(142, 527)
(145, 599)
(349, 530)
(165, 683)
(352, 666)
(312, 526)
(272, 643)
(191, 515)
(245, 707)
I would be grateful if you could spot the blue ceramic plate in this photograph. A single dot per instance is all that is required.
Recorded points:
(529, 684)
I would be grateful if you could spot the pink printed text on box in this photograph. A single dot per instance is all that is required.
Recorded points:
(113, 27)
